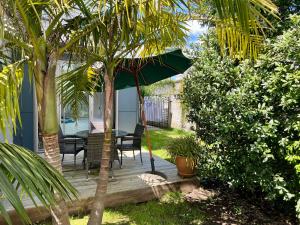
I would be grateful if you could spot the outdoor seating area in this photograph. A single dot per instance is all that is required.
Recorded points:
(152, 112)
(130, 184)
(91, 143)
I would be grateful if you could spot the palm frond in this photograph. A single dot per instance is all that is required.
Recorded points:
(22, 171)
(162, 31)
(241, 25)
(82, 32)
(237, 43)
(11, 77)
(75, 86)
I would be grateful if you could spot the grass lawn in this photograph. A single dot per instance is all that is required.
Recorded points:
(160, 139)
(172, 209)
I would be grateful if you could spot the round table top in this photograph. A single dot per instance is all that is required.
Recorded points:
(118, 133)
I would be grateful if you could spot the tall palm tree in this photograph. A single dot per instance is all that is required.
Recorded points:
(117, 29)
(125, 29)
(128, 28)
(38, 33)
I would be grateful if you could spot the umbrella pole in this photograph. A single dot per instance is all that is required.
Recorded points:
(148, 139)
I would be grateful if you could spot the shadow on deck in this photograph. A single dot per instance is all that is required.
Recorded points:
(130, 184)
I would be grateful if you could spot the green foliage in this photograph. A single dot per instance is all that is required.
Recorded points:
(74, 87)
(240, 25)
(285, 8)
(37, 33)
(248, 114)
(9, 95)
(25, 173)
(186, 146)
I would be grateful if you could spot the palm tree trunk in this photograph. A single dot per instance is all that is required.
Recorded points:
(59, 212)
(49, 125)
(98, 205)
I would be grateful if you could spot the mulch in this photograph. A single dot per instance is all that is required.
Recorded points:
(224, 207)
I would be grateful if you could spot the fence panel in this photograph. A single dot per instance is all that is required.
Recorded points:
(157, 111)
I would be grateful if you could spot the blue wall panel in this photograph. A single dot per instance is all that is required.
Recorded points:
(25, 135)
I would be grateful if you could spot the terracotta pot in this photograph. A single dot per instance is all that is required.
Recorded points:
(186, 166)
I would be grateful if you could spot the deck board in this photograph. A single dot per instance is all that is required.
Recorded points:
(130, 184)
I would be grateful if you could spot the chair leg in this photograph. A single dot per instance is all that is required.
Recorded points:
(121, 157)
(75, 161)
(133, 154)
(141, 156)
(118, 158)
(83, 162)
(84, 159)
(87, 171)
(62, 159)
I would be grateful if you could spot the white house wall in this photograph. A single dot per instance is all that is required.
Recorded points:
(127, 111)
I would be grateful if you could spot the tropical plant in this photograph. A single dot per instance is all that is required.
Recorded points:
(240, 25)
(25, 173)
(186, 146)
(42, 33)
(249, 115)
(128, 28)
(285, 9)
(37, 33)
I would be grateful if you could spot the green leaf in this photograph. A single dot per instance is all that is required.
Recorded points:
(24, 170)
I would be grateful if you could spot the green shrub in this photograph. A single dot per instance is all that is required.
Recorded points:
(186, 146)
(249, 115)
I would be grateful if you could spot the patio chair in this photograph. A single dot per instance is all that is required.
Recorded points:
(70, 144)
(94, 151)
(136, 142)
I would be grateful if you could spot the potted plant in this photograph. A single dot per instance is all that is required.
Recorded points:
(185, 151)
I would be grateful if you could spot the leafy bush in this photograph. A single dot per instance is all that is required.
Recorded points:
(186, 146)
(249, 115)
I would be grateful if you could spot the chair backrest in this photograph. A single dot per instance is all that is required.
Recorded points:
(95, 147)
(138, 132)
(60, 140)
(60, 133)
(92, 126)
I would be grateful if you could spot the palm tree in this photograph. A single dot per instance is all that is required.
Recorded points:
(38, 33)
(116, 29)
(128, 28)
(125, 29)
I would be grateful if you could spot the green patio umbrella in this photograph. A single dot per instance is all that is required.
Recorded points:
(151, 69)
(136, 72)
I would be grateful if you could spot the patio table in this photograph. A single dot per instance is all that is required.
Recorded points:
(85, 133)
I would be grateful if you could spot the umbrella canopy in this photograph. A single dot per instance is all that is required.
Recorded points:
(151, 69)
(136, 72)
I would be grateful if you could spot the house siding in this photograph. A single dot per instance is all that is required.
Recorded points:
(26, 131)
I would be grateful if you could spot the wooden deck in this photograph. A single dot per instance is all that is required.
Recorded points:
(130, 184)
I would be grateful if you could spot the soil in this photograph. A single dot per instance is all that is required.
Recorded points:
(224, 206)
